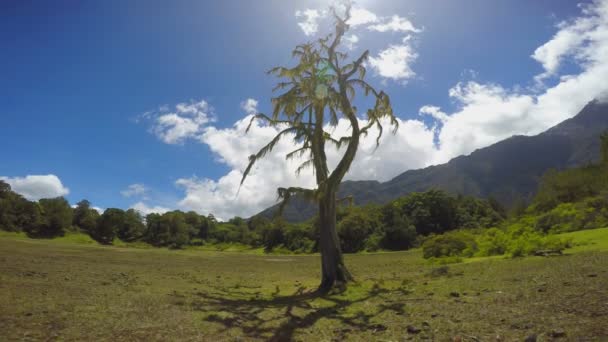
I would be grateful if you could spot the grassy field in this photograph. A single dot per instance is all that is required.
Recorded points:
(68, 289)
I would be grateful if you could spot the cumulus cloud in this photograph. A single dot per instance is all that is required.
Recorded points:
(488, 113)
(35, 187)
(133, 190)
(250, 106)
(145, 209)
(582, 38)
(185, 121)
(310, 20)
(361, 16)
(395, 24)
(394, 62)
(225, 198)
(391, 63)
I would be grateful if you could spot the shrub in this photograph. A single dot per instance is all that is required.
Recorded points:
(446, 245)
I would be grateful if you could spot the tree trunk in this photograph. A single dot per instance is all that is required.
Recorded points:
(333, 270)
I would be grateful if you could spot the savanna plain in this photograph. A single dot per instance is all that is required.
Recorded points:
(67, 290)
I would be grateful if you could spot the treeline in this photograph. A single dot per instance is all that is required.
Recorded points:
(566, 200)
(53, 217)
(395, 226)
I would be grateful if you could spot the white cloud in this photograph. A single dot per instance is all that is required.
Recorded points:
(361, 16)
(187, 121)
(579, 38)
(250, 106)
(395, 62)
(145, 209)
(136, 189)
(395, 24)
(489, 113)
(413, 143)
(350, 41)
(310, 20)
(35, 187)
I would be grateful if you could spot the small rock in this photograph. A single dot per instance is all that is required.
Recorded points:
(433, 315)
(412, 329)
(542, 289)
(454, 294)
(531, 338)
(557, 333)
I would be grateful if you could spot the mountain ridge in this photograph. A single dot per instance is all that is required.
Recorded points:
(508, 171)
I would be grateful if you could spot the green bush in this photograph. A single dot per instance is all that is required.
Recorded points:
(492, 242)
(450, 244)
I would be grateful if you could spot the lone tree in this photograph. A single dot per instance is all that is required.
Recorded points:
(319, 91)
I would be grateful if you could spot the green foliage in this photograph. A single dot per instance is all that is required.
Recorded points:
(449, 245)
(108, 225)
(16, 213)
(56, 218)
(85, 217)
(514, 240)
(131, 228)
(570, 186)
(399, 232)
(356, 226)
(172, 229)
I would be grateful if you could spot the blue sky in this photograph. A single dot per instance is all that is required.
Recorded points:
(76, 78)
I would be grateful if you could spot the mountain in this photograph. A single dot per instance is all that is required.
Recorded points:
(507, 171)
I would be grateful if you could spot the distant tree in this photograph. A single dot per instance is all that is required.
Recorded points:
(85, 217)
(17, 213)
(56, 218)
(108, 225)
(399, 232)
(131, 228)
(175, 223)
(258, 223)
(169, 229)
(237, 221)
(321, 90)
(355, 227)
(273, 235)
(195, 223)
(156, 233)
(433, 211)
(497, 207)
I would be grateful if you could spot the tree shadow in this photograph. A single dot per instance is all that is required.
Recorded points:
(278, 318)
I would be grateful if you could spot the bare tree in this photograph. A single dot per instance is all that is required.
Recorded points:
(318, 91)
